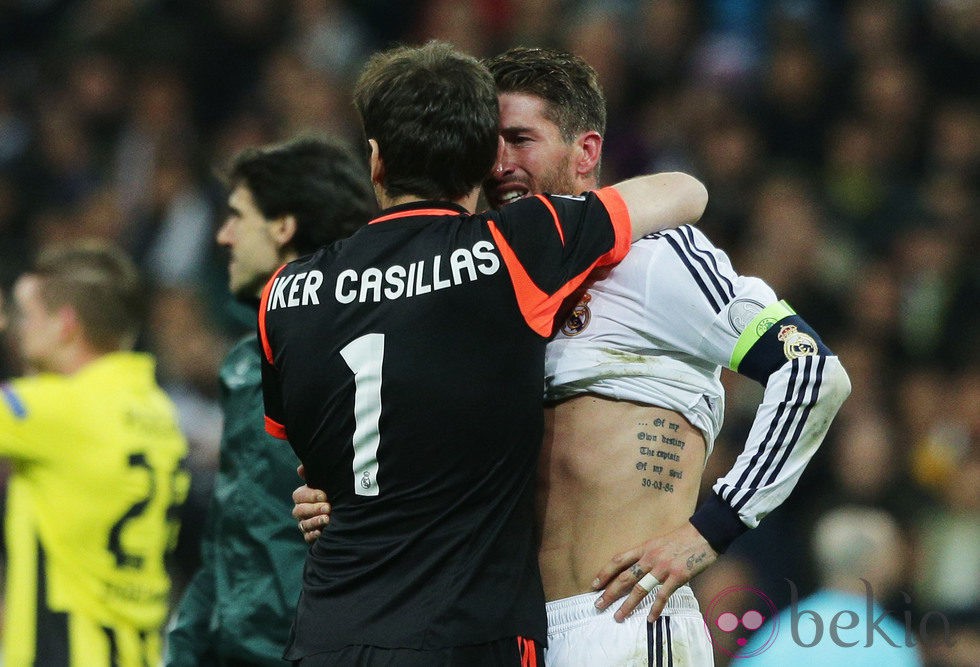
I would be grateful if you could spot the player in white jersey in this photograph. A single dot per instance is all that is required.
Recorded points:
(656, 331)
(635, 401)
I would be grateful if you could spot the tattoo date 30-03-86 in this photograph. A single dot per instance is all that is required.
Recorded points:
(660, 454)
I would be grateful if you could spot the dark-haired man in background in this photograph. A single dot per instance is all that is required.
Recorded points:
(285, 201)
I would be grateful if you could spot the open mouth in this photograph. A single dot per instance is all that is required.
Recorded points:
(513, 195)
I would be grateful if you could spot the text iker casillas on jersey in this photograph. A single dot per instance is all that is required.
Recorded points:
(394, 282)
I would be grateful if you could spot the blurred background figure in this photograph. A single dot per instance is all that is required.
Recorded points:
(284, 200)
(88, 429)
(859, 553)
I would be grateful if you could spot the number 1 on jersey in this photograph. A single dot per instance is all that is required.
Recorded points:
(364, 356)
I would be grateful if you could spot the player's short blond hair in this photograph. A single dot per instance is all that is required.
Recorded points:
(101, 283)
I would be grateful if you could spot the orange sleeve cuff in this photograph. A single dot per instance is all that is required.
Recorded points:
(620, 217)
(275, 429)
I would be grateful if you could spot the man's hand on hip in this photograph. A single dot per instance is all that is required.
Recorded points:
(660, 565)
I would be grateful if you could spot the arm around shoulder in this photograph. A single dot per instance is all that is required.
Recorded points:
(662, 201)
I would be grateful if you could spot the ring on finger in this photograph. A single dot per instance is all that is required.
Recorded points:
(648, 582)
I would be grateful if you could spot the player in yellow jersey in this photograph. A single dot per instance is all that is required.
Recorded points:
(97, 478)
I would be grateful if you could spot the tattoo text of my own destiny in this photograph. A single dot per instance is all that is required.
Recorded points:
(659, 449)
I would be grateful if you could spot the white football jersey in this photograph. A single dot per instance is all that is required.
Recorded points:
(658, 329)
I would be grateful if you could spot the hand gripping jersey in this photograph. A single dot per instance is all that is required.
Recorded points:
(658, 329)
(404, 365)
(91, 512)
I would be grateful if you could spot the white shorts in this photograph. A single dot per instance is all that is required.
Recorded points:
(579, 635)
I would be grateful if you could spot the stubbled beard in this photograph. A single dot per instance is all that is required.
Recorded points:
(558, 179)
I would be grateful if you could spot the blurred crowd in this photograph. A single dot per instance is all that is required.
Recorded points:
(839, 141)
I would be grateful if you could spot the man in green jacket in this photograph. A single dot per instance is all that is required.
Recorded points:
(284, 201)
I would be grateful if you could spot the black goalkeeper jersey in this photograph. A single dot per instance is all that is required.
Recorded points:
(404, 365)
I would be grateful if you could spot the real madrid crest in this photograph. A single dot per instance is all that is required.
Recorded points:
(796, 343)
(579, 318)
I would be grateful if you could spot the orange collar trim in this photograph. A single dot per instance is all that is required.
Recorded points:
(414, 213)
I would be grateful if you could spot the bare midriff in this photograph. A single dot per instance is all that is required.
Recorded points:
(612, 475)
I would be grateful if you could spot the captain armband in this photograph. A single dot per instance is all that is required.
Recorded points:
(774, 336)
